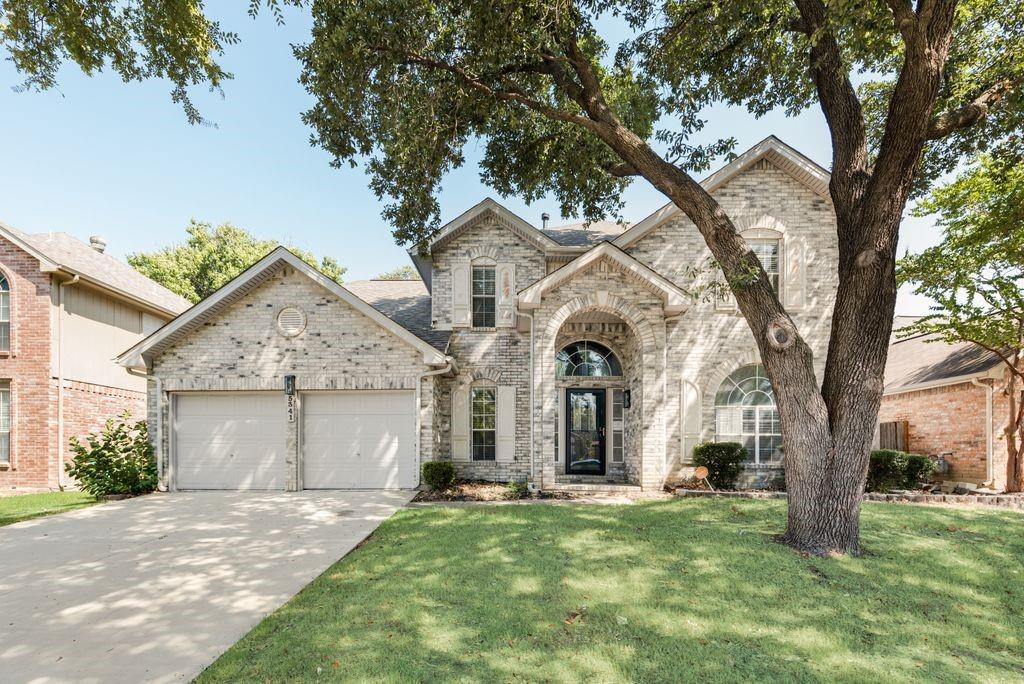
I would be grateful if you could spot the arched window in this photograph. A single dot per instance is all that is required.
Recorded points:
(586, 359)
(745, 412)
(5, 314)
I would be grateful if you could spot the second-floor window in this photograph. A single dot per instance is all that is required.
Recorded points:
(767, 251)
(5, 315)
(483, 296)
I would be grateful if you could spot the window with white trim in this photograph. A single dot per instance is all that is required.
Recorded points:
(586, 359)
(745, 412)
(5, 314)
(483, 297)
(5, 422)
(482, 407)
(767, 252)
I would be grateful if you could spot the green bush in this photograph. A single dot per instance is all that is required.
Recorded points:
(919, 469)
(887, 470)
(516, 490)
(117, 460)
(724, 461)
(439, 474)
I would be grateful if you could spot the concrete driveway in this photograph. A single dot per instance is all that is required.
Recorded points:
(155, 588)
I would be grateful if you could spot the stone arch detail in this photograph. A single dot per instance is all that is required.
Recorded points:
(606, 303)
(763, 222)
(483, 252)
(485, 373)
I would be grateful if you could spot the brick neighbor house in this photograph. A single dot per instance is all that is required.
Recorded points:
(944, 400)
(570, 357)
(66, 310)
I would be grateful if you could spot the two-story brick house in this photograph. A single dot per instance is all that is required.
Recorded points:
(555, 355)
(66, 310)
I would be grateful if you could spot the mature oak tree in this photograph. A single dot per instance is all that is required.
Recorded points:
(975, 276)
(407, 84)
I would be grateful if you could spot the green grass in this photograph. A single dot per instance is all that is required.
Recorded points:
(673, 590)
(20, 507)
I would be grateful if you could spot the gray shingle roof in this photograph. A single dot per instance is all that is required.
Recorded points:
(406, 302)
(583, 235)
(68, 251)
(921, 359)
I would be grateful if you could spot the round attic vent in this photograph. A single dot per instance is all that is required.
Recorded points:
(291, 320)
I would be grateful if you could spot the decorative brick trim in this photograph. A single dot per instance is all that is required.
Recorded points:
(103, 390)
(607, 303)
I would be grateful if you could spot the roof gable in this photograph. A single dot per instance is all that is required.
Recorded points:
(139, 355)
(800, 167)
(675, 298)
(504, 218)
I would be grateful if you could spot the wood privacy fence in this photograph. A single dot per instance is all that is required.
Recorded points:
(894, 434)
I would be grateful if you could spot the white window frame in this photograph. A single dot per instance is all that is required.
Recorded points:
(475, 432)
(774, 271)
(493, 296)
(5, 314)
(6, 413)
(750, 420)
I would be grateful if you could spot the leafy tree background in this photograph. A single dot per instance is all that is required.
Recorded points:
(406, 272)
(210, 257)
(976, 276)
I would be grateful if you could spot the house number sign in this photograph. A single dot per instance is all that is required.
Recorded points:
(291, 407)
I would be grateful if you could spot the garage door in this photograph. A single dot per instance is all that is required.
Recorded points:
(230, 441)
(359, 440)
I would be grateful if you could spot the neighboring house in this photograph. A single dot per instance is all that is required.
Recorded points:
(66, 310)
(942, 400)
(566, 356)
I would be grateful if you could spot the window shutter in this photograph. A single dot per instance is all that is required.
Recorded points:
(794, 285)
(506, 295)
(506, 424)
(460, 424)
(690, 399)
(460, 295)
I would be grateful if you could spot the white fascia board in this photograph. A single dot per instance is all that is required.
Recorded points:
(491, 205)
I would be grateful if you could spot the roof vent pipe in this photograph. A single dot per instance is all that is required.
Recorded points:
(98, 243)
(544, 218)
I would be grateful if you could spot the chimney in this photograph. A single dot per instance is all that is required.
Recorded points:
(544, 218)
(98, 243)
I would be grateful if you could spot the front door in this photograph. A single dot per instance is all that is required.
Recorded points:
(585, 428)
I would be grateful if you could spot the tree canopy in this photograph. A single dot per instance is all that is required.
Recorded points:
(975, 276)
(406, 272)
(409, 84)
(210, 257)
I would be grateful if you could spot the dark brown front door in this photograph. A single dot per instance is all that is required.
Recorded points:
(585, 428)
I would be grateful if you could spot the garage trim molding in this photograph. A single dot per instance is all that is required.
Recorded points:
(139, 356)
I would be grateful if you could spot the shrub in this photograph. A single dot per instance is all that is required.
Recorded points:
(919, 469)
(117, 460)
(724, 461)
(440, 475)
(516, 490)
(887, 470)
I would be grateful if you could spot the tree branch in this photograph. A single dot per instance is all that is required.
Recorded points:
(972, 112)
(904, 16)
(621, 170)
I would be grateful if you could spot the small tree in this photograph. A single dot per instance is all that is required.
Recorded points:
(406, 272)
(117, 460)
(210, 257)
(976, 278)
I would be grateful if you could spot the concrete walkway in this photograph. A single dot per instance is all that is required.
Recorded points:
(155, 588)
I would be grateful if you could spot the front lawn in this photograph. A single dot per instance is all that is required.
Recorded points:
(659, 591)
(17, 507)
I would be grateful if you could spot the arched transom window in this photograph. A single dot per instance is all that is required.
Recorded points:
(586, 359)
(745, 412)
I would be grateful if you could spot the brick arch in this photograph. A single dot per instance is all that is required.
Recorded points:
(484, 373)
(605, 303)
(482, 252)
(759, 222)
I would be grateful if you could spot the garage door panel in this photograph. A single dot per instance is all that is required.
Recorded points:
(230, 441)
(359, 439)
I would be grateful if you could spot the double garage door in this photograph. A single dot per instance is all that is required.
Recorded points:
(349, 440)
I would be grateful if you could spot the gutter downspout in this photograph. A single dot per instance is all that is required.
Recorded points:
(161, 485)
(60, 379)
(419, 404)
(989, 391)
(533, 474)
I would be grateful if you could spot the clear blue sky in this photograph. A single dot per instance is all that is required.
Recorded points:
(102, 157)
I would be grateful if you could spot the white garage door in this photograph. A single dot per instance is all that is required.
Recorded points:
(359, 440)
(230, 440)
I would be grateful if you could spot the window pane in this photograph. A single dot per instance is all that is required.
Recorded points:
(483, 280)
(5, 306)
(586, 359)
(483, 412)
(483, 312)
(767, 252)
(5, 422)
(5, 336)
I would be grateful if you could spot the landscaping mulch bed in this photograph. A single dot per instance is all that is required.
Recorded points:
(486, 491)
(1013, 501)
